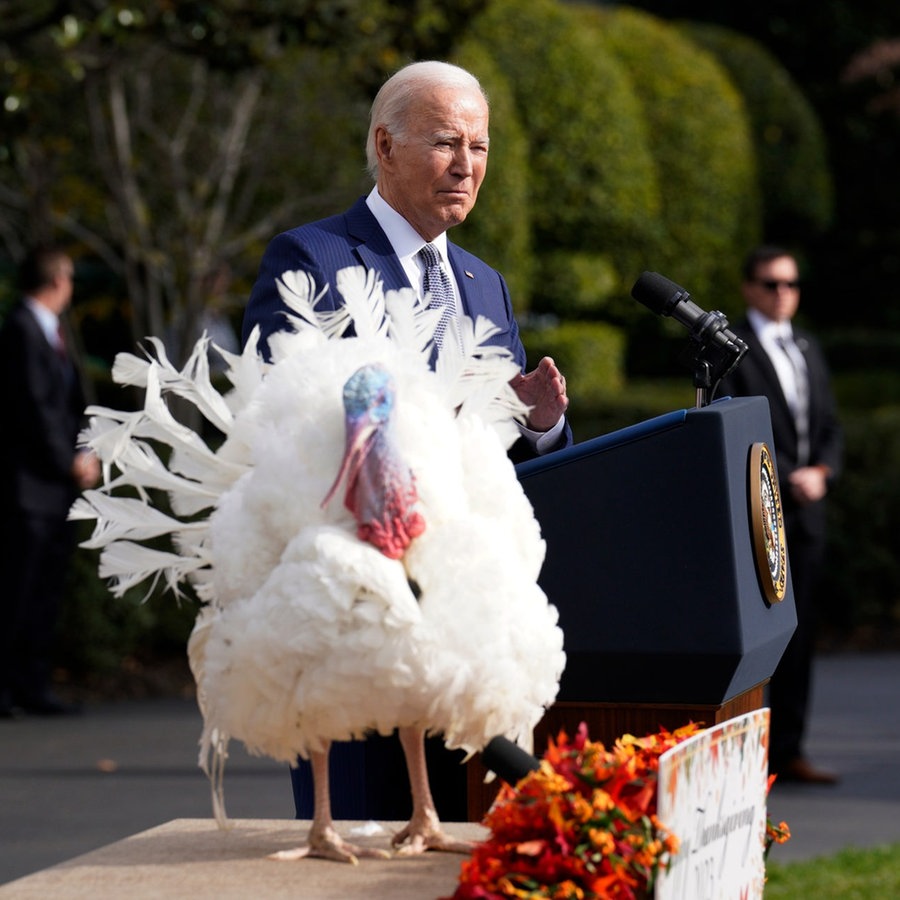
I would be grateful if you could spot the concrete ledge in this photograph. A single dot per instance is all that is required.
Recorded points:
(192, 858)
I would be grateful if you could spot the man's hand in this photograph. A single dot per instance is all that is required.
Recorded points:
(85, 469)
(544, 391)
(808, 484)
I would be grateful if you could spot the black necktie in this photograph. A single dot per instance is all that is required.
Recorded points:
(60, 345)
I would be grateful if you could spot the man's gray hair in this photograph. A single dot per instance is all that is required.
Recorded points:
(396, 95)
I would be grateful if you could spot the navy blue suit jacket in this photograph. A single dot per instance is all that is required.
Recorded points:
(355, 238)
(756, 376)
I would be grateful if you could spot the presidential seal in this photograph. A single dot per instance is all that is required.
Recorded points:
(767, 524)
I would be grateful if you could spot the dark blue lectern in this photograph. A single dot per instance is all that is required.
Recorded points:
(651, 560)
(664, 570)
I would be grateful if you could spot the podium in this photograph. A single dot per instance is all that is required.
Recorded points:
(674, 602)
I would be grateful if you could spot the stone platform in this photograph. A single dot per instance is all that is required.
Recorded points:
(192, 858)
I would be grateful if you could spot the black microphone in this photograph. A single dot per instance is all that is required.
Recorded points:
(710, 329)
(508, 760)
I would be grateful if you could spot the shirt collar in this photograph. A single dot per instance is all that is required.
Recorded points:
(405, 240)
(766, 329)
(46, 319)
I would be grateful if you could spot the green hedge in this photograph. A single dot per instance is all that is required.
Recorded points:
(499, 228)
(580, 285)
(589, 353)
(860, 593)
(701, 145)
(591, 181)
(100, 635)
(794, 176)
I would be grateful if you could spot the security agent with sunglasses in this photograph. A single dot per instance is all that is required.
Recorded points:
(786, 365)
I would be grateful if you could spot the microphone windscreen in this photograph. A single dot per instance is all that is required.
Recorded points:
(657, 292)
(508, 760)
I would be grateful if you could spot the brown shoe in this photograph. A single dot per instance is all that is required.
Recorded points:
(803, 771)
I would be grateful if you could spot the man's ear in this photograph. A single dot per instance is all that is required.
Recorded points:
(384, 143)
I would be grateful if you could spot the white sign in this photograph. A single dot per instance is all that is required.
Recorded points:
(712, 796)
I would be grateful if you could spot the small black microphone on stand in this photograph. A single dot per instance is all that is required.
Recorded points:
(718, 350)
(508, 760)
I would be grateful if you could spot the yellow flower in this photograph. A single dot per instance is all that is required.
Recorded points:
(602, 840)
(601, 801)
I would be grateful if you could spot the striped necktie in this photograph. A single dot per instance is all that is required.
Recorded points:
(437, 284)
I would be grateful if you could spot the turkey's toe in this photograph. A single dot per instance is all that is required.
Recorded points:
(412, 841)
(328, 844)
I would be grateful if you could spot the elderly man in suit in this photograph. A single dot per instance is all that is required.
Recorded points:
(786, 365)
(427, 151)
(40, 474)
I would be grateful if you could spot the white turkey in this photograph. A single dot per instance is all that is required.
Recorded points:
(366, 556)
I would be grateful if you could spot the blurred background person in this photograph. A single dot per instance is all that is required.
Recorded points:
(41, 473)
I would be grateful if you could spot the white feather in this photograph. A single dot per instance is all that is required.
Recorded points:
(125, 517)
(127, 564)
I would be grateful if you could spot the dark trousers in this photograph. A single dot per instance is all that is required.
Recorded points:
(33, 562)
(789, 690)
(368, 780)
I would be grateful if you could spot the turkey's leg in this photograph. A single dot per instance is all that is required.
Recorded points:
(424, 829)
(323, 840)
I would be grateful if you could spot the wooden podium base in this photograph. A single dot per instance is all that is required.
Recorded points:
(606, 722)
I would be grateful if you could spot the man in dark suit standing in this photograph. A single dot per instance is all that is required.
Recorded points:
(786, 365)
(40, 474)
(427, 151)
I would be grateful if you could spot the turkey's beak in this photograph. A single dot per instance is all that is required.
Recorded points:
(356, 446)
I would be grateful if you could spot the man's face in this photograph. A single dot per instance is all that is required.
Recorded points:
(431, 174)
(59, 295)
(774, 291)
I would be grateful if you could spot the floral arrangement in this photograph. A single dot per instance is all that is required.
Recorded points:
(583, 826)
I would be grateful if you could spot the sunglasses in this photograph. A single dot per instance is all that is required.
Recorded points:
(771, 284)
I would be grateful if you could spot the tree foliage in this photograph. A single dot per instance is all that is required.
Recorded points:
(171, 137)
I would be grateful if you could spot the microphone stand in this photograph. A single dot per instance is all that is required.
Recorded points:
(702, 382)
(713, 360)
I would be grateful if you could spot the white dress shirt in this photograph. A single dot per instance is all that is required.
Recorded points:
(47, 320)
(407, 243)
(769, 334)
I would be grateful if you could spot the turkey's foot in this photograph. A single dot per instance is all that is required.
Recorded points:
(326, 843)
(424, 833)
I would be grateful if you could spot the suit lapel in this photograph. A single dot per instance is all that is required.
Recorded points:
(471, 290)
(374, 250)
